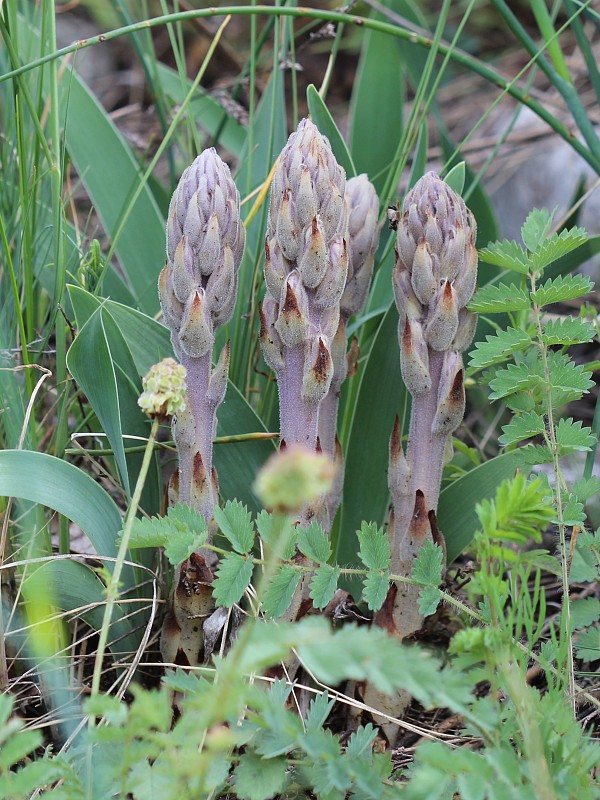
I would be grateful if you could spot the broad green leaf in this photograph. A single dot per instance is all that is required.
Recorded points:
(148, 341)
(491, 299)
(269, 530)
(181, 532)
(572, 512)
(374, 546)
(44, 479)
(313, 542)
(259, 778)
(323, 585)
(562, 288)
(90, 362)
(235, 522)
(522, 427)
(499, 347)
(507, 255)
(232, 579)
(377, 95)
(375, 589)
(182, 544)
(456, 509)
(322, 118)
(17, 747)
(569, 380)
(456, 177)
(381, 396)
(514, 378)
(536, 227)
(280, 590)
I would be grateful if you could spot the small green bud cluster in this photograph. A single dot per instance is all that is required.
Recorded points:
(293, 478)
(164, 389)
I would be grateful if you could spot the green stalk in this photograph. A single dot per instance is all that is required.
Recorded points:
(464, 59)
(546, 26)
(550, 437)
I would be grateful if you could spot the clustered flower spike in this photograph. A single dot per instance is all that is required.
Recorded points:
(164, 389)
(305, 272)
(197, 290)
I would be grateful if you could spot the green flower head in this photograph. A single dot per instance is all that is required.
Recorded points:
(164, 389)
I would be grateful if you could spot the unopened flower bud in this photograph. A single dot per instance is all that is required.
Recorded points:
(318, 372)
(442, 322)
(196, 331)
(270, 342)
(406, 300)
(294, 478)
(414, 358)
(276, 268)
(331, 287)
(293, 324)
(451, 395)
(467, 324)
(314, 260)
(423, 279)
(217, 386)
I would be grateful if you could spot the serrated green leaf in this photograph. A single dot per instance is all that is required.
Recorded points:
(182, 529)
(269, 530)
(492, 299)
(572, 435)
(428, 565)
(235, 522)
(522, 427)
(374, 546)
(428, 601)
(360, 741)
(232, 579)
(557, 246)
(508, 255)
(513, 378)
(585, 488)
(567, 331)
(280, 591)
(259, 778)
(584, 566)
(587, 645)
(562, 288)
(324, 584)
(182, 543)
(375, 589)
(499, 347)
(314, 543)
(318, 711)
(585, 611)
(536, 227)
(572, 512)
(17, 747)
(569, 380)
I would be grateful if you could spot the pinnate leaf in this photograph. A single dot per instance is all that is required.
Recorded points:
(324, 584)
(513, 378)
(499, 347)
(313, 542)
(235, 522)
(375, 589)
(182, 531)
(280, 591)
(259, 778)
(269, 529)
(507, 255)
(232, 579)
(585, 611)
(587, 645)
(569, 380)
(564, 287)
(374, 546)
(492, 299)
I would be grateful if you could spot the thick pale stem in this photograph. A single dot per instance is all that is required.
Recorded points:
(299, 418)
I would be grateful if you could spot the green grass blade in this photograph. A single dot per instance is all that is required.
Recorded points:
(322, 118)
(377, 99)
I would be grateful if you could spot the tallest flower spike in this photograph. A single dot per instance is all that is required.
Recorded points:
(305, 272)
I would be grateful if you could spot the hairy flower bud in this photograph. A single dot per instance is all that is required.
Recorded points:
(414, 359)
(451, 395)
(363, 237)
